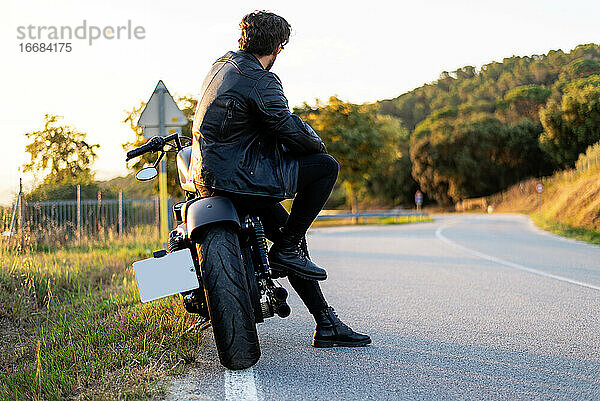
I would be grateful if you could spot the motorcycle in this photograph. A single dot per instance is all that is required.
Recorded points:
(216, 259)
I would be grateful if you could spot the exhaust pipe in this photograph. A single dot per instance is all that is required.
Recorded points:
(283, 310)
(280, 294)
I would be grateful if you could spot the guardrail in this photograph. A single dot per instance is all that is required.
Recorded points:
(365, 214)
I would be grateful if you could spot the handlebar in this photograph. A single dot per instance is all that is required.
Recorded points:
(154, 144)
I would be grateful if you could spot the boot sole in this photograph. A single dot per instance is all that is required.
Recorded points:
(332, 343)
(284, 268)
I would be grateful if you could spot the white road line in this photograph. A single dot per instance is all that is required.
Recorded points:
(240, 385)
(438, 234)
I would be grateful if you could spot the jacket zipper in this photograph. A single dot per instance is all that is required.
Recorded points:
(228, 117)
(285, 194)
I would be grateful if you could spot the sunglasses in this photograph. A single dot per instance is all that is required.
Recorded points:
(281, 46)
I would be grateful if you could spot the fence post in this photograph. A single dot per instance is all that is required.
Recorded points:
(78, 213)
(355, 207)
(157, 214)
(13, 219)
(21, 213)
(98, 223)
(120, 212)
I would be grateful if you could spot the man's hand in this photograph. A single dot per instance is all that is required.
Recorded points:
(271, 106)
(311, 133)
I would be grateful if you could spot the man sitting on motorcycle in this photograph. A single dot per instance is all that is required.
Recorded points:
(248, 146)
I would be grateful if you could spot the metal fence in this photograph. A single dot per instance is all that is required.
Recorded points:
(90, 218)
(590, 159)
(76, 220)
(6, 217)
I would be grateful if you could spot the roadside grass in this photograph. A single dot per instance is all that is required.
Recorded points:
(565, 230)
(72, 326)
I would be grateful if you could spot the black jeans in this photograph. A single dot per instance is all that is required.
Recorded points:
(316, 176)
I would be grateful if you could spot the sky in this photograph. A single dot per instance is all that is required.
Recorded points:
(360, 51)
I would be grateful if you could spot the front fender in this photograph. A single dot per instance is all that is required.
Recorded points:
(205, 211)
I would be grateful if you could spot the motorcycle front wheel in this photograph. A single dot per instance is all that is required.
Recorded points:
(228, 297)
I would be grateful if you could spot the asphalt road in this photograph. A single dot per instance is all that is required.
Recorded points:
(466, 307)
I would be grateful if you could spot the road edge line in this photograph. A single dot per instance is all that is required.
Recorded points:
(440, 236)
(240, 385)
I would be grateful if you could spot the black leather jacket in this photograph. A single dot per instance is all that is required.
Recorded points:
(246, 140)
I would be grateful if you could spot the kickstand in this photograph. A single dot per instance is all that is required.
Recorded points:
(201, 324)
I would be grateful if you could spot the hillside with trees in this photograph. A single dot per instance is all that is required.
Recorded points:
(475, 131)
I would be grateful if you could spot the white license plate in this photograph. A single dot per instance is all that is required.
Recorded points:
(167, 275)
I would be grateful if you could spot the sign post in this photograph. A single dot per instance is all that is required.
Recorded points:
(162, 117)
(418, 199)
(539, 188)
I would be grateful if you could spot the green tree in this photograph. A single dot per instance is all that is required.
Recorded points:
(573, 124)
(63, 157)
(454, 165)
(524, 156)
(523, 102)
(187, 104)
(356, 138)
(580, 68)
(391, 180)
(457, 157)
(61, 152)
(67, 190)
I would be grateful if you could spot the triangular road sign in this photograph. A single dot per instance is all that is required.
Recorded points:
(150, 116)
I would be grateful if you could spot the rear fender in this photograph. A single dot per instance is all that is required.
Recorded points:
(204, 211)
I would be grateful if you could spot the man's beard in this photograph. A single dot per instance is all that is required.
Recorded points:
(271, 63)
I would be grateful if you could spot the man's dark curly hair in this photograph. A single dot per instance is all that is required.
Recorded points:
(262, 32)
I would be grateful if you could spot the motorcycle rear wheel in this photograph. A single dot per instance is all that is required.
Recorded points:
(228, 297)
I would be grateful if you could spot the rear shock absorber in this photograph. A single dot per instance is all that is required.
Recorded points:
(261, 245)
(276, 302)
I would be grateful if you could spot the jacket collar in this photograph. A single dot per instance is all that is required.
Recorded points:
(250, 57)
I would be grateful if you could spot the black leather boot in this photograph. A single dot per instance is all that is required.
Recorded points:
(331, 331)
(287, 255)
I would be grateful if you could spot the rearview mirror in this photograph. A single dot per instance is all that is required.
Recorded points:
(146, 174)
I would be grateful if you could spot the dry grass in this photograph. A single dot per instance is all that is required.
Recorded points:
(49, 237)
(569, 198)
(570, 203)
